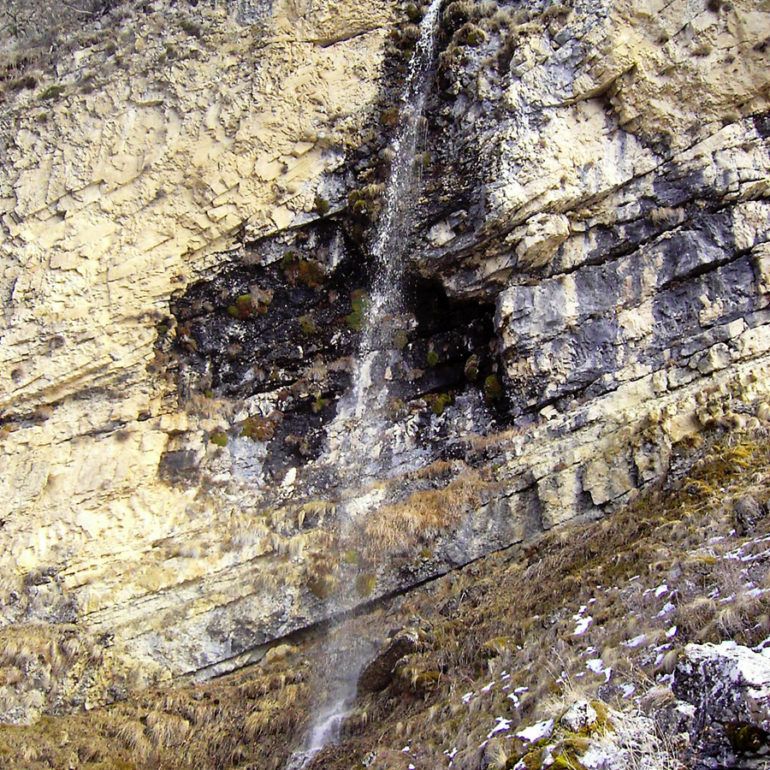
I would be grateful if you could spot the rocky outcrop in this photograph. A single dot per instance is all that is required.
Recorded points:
(729, 685)
(161, 148)
(379, 673)
(622, 236)
(748, 514)
(589, 286)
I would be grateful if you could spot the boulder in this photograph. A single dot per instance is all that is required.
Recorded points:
(729, 685)
(580, 716)
(379, 673)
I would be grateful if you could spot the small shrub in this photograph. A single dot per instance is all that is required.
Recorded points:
(413, 13)
(28, 82)
(218, 438)
(400, 339)
(319, 404)
(439, 402)
(307, 325)
(359, 301)
(470, 35)
(457, 13)
(471, 369)
(365, 584)
(397, 409)
(321, 206)
(310, 273)
(493, 388)
(410, 34)
(389, 117)
(191, 28)
(52, 92)
(351, 557)
(297, 269)
(259, 428)
(256, 302)
(323, 586)
(364, 202)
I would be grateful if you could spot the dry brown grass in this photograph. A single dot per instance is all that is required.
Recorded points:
(243, 718)
(515, 613)
(424, 514)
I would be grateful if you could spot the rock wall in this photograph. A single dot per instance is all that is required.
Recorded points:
(181, 249)
(174, 137)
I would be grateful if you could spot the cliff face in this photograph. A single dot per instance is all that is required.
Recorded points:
(176, 136)
(184, 261)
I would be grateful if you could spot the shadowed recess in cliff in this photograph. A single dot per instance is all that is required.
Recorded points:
(277, 329)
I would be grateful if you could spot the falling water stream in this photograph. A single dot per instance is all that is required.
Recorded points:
(361, 416)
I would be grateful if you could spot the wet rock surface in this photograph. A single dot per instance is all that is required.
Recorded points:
(278, 332)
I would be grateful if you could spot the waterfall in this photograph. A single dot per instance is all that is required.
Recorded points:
(361, 419)
(361, 422)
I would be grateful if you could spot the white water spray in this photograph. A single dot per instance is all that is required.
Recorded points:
(361, 416)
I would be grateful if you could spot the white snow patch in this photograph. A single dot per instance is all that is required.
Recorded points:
(536, 732)
(582, 625)
(597, 757)
(660, 590)
(667, 608)
(467, 697)
(502, 726)
(595, 665)
(637, 641)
